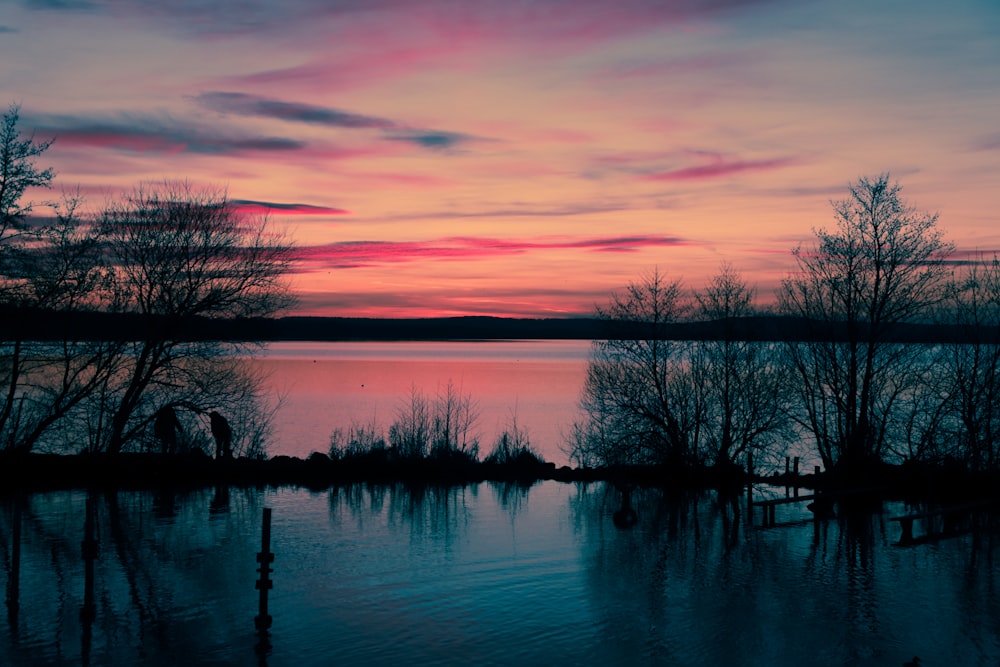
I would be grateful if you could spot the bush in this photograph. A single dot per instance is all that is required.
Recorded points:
(513, 448)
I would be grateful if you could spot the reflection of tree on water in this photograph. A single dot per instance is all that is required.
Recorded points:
(691, 584)
(153, 580)
(637, 577)
(625, 516)
(511, 496)
(426, 511)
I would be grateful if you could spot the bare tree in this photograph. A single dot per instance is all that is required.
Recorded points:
(973, 364)
(743, 379)
(176, 253)
(410, 433)
(642, 398)
(512, 445)
(49, 265)
(880, 267)
(18, 171)
(454, 418)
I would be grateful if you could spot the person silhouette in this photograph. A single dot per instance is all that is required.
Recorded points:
(166, 426)
(223, 435)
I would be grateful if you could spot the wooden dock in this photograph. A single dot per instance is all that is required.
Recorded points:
(769, 505)
(953, 522)
(823, 503)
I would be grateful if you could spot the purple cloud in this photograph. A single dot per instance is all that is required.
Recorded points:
(435, 140)
(250, 206)
(987, 143)
(252, 105)
(146, 133)
(719, 169)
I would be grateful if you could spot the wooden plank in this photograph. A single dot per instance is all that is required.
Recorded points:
(783, 501)
(926, 514)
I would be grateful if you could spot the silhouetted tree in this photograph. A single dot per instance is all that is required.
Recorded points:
(973, 365)
(879, 268)
(453, 420)
(643, 397)
(51, 264)
(177, 253)
(513, 446)
(410, 433)
(18, 172)
(746, 393)
(60, 270)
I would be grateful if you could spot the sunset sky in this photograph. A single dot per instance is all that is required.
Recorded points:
(517, 157)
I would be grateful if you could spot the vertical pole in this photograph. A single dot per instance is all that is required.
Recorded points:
(787, 470)
(14, 583)
(89, 609)
(795, 470)
(89, 550)
(750, 486)
(263, 620)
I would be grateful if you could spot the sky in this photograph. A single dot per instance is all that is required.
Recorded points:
(520, 158)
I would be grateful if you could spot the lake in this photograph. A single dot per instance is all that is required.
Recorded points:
(324, 386)
(486, 574)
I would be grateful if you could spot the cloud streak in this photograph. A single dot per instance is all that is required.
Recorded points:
(513, 212)
(252, 105)
(148, 133)
(252, 207)
(243, 104)
(357, 254)
(719, 169)
(572, 21)
(434, 140)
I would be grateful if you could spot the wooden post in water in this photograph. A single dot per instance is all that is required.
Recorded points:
(89, 550)
(788, 491)
(14, 582)
(263, 620)
(750, 486)
(795, 469)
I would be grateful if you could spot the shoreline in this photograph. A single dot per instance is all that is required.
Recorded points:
(39, 473)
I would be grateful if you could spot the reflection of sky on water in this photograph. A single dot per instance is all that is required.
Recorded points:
(488, 573)
(494, 350)
(330, 385)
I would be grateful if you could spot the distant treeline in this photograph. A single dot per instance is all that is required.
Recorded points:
(45, 325)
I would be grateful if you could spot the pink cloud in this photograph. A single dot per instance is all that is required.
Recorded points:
(397, 179)
(355, 254)
(249, 207)
(719, 168)
(348, 71)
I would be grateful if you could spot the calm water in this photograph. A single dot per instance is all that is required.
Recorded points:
(485, 574)
(328, 385)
